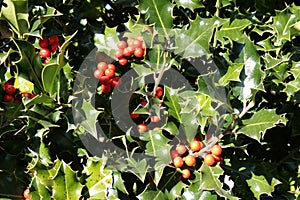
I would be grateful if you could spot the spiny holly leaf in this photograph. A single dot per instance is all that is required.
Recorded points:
(41, 192)
(138, 167)
(149, 193)
(293, 86)
(191, 4)
(66, 184)
(173, 103)
(193, 40)
(158, 12)
(29, 63)
(210, 180)
(233, 30)
(118, 182)
(16, 14)
(282, 23)
(232, 74)
(254, 74)
(107, 42)
(256, 126)
(157, 146)
(259, 185)
(99, 179)
(87, 116)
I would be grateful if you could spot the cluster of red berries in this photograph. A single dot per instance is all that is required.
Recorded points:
(141, 128)
(182, 158)
(107, 77)
(48, 46)
(125, 49)
(11, 93)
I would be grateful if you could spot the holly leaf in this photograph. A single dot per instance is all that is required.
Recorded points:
(66, 184)
(232, 74)
(173, 103)
(193, 40)
(191, 4)
(99, 179)
(282, 24)
(16, 14)
(256, 126)
(210, 181)
(233, 30)
(158, 13)
(157, 146)
(253, 74)
(87, 116)
(259, 185)
(107, 42)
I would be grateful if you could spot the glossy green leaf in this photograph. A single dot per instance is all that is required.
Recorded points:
(99, 179)
(256, 126)
(233, 30)
(173, 103)
(87, 115)
(253, 74)
(107, 42)
(282, 24)
(232, 74)
(210, 181)
(16, 14)
(66, 184)
(29, 63)
(192, 4)
(158, 13)
(260, 185)
(193, 41)
(157, 146)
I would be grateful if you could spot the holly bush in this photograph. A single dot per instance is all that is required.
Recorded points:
(150, 99)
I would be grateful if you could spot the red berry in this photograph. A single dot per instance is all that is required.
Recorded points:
(174, 153)
(155, 119)
(53, 39)
(105, 88)
(10, 89)
(26, 94)
(217, 158)
(130, 42)
(159, 92)
(26, 194)
(216, 150)
(8, 98)
(134, 116)
(128, 51)
(180, 149)
(46, 61)
(109, 72)
(209, 160)
(144, 103)
(178, 162)
(141, 128)
(119, 53)
(54, 47)
(115, 81)
(186, 173)
(45, 53)
(102, 66)
(43, 42)
(121, 44)
(137, 43)
(111, 66)
(123, 61)
(104, 79)
(196, 145)
(98, 74)
(139, 52)
(190, 160)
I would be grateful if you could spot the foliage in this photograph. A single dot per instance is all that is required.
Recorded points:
(230, 75)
